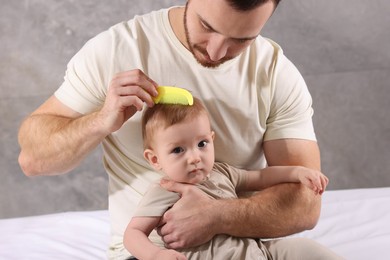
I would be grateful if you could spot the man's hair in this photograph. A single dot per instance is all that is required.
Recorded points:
(246, 5)
(164, 115)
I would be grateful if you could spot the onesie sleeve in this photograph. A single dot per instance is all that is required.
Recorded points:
(155, 202)
(235, 175)
(290, 114)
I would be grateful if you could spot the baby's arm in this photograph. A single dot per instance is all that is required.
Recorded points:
(136, 241)
(258, 180)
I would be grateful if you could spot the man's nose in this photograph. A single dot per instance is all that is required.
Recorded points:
(217, 47)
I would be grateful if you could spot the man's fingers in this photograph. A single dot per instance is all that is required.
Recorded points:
(172, 186)
(137, 78)
(135, 91)
(169, 240)
(174, 245)
(132, 91)
(134, 82)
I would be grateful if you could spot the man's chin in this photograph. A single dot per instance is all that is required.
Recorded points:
(202, 58)
(208, 64)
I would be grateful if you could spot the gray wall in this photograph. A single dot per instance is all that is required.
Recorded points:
(341, 47)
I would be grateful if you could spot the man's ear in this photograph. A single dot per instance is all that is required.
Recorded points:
(152, 158)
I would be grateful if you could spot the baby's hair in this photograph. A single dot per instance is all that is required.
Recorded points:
(164, 115)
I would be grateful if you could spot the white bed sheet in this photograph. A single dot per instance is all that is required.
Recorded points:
(354, 223)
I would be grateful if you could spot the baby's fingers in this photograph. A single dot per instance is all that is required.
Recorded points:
(314, 183)
(324, 183)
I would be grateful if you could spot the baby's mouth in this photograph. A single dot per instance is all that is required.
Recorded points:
(194, 170)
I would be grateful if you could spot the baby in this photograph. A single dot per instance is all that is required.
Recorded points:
(178, 142)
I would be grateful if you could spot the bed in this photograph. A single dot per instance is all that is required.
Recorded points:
(354, 223)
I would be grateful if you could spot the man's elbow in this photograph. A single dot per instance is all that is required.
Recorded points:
(311, 222)
(25, 164)
(30, 166)
(312, 208)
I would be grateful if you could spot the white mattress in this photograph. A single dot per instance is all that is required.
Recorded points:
(354, 223)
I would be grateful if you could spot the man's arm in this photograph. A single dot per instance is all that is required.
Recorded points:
(277, 211)
(282, 209)
(54, 139)
(295, 152)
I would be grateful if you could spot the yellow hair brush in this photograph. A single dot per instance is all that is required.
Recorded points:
(173, 95)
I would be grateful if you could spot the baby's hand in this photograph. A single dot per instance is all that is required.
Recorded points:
(313, 179)
(169, 254)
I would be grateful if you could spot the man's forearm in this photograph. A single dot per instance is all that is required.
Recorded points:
(53, 144)
(277, 211)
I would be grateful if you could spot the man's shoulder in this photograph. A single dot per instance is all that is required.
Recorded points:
(151, 18)
(263, 53)
(268, 43)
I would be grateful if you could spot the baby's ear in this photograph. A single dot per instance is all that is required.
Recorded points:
(213, 135)
(152, 158)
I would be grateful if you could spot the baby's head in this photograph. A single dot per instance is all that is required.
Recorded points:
(162, 116)
(178, 141)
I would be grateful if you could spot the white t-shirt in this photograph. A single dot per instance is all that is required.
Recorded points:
(257, 96)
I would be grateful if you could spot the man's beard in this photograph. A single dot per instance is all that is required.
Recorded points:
(194, 47)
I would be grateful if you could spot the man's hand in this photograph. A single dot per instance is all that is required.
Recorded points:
(127, 93)
(190, 221)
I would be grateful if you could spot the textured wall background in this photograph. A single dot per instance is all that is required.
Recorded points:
(341, 47)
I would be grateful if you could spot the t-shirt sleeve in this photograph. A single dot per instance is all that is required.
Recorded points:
(87, 76)
(291, 103)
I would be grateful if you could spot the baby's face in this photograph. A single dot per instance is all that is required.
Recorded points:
(185, 151)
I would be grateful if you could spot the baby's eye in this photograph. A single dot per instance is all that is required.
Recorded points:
(202, 144)
(177, 150)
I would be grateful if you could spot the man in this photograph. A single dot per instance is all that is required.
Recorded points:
(259, 104)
